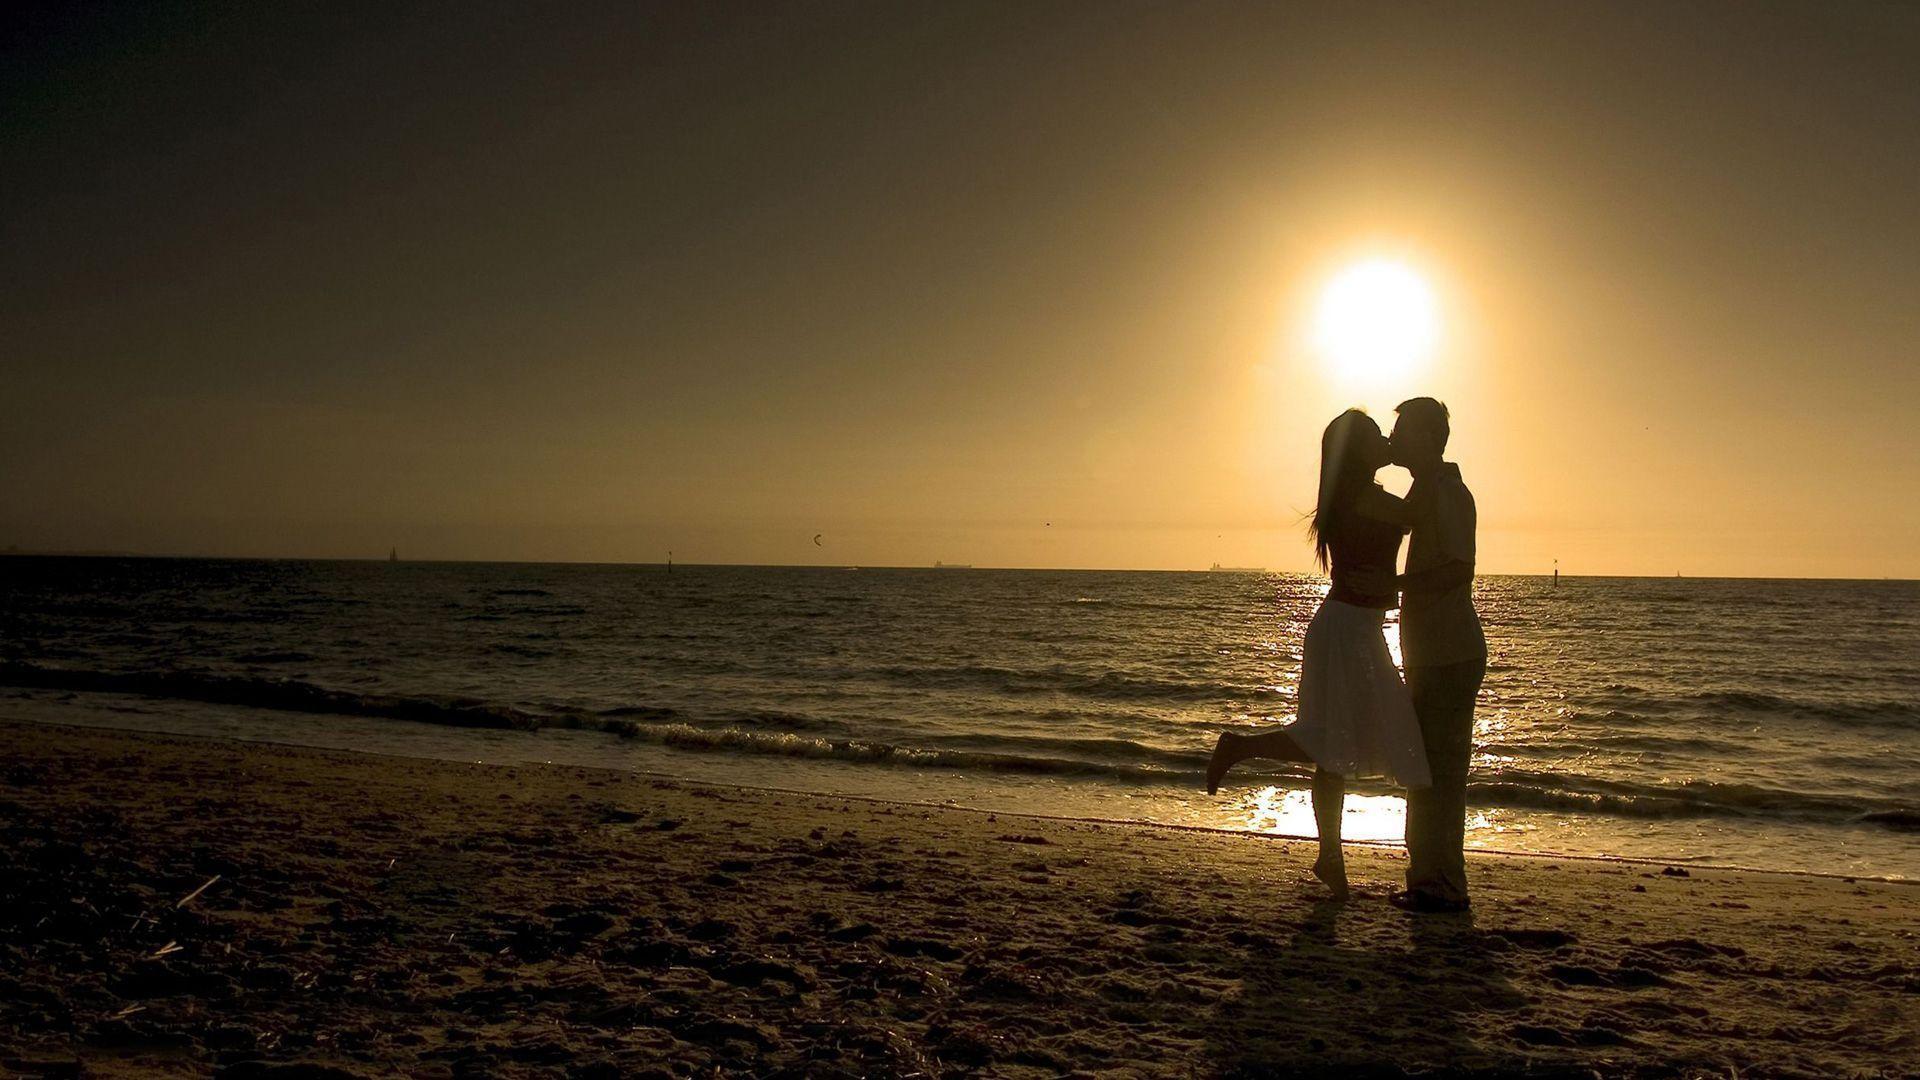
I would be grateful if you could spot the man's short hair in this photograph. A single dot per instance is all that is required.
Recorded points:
(1427, 411)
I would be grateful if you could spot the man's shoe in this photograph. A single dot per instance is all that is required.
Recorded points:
(1425, 903)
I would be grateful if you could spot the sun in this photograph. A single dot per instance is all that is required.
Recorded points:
(1378, 319)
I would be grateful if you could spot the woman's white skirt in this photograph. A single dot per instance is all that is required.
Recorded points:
(1356, 717)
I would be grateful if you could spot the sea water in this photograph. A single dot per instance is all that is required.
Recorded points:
(1725, 722)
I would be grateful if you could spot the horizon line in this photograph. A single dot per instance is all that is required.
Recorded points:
(109, 554)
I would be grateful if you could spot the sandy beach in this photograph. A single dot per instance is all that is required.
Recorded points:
(186, 907)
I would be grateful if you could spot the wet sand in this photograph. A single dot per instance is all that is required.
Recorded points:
(183, 907)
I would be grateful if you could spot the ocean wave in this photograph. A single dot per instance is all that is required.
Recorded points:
(1081, 748)
(1527, 790)
(1853, 712)
(1099, 758)
(1902, 820)
(270, 657)
(1104, 685)
(639, 712)
(783, 721)
(1610, 720)
(786, 744)
(1513, 789)
(1664, 741)
(1863, 711)
(527, 652)
(287, 694)
(294, 695)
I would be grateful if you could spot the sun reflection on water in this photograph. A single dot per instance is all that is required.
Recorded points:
(1370, 819)
(1289, 812)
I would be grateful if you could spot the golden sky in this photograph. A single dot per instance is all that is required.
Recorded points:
(1020, 285)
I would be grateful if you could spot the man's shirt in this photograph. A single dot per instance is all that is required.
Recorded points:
(1440, 628)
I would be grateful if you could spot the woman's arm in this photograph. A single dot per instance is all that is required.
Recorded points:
(1436, 579)
(1375, 503)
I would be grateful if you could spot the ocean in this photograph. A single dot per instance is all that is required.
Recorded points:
(1727, 722)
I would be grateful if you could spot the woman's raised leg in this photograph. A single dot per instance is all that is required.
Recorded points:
(1234, 748)
(1329, 794)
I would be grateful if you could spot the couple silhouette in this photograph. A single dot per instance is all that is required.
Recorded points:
(1356, 715)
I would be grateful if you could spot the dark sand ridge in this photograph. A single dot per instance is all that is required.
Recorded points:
(371, 915)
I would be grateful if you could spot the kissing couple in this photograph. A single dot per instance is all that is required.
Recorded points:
(1356, 716)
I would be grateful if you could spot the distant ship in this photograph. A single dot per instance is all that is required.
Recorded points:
(393, 554)
(953, 566)
(1218, 569)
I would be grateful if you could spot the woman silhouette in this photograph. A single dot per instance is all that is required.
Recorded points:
(1355, 718)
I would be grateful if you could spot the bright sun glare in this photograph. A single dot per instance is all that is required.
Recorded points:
(1377, 319)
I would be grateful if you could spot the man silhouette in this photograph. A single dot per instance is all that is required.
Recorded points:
(1444, 652)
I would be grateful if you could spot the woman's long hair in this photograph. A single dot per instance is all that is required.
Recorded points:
(1340, 475)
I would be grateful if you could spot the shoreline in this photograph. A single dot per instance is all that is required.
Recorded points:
(1635, 860)
(185, 904)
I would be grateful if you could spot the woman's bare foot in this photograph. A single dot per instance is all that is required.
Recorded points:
(1222, 760)
(1331, 869)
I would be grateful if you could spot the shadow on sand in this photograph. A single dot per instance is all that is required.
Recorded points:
(1356, 992)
